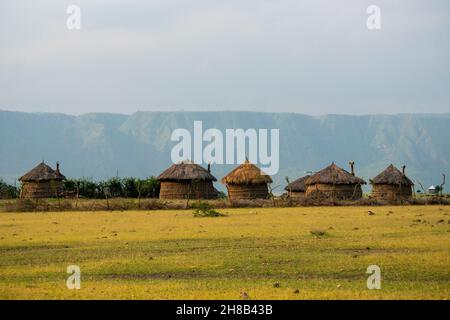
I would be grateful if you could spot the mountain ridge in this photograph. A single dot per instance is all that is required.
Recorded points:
(98, 145)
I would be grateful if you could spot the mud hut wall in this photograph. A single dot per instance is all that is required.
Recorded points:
(187, 189)
(338, 191)
(296, 195)
(390, 191)
(247, 192)
(42, 189)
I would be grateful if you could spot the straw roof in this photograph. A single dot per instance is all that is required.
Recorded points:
(391, 175)
(297, 185)
(186, 170)
(246, 174)
(42, 172)
(333, 175)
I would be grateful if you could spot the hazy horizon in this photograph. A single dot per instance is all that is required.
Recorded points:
(244, 111)
(99, 145)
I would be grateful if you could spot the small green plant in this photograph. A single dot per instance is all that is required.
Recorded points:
(319, 233)
(204, 209)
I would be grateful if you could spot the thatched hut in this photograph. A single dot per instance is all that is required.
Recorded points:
(333, 182)
(392, 184)
(247, 182)
(42, 182)
(187, 180)
(297, 188)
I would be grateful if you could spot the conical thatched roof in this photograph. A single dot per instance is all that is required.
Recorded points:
(42, 172)
(297, 185)
(333, 175)
(246, 174)
(186, 170)
(391, 175)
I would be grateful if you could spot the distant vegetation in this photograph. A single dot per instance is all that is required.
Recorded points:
(112, 188)
(307, 143)
(86, 188)
(8, 191)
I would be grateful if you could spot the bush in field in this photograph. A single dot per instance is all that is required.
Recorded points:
(7, 191)
(319, 233)
(113, 187)
(88, 188)
(148, 188)
(204, 209)
(83, 187)
(221, 195)
(130, 187)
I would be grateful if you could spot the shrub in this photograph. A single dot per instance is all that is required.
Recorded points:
(7, 191)
(130, 187)
(83, 187)
(319, 233)
(113, 188)
(148, 188)
(204, 209)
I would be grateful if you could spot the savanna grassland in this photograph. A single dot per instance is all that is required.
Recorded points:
(268, 253)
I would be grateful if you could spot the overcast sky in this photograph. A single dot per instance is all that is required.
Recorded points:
(314, 57)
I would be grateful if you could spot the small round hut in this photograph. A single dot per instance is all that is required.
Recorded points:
(187, 180)
(392, 184)
(335, 183)
(42, 182)
(297, 188)
(247, 182)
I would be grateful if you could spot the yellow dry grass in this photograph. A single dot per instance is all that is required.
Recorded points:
(172, 255)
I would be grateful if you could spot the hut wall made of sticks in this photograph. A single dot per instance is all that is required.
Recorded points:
(247, 192)
(337, 191)
(391, 192)
(295, 195)
(297, 188)
(187, 190)
(41, 189)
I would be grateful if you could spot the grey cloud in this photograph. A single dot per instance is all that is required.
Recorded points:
(312, 57)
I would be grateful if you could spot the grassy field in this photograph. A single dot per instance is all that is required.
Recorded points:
(270, 253)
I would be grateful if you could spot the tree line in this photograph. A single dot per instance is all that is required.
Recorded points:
(87, 188)
(8, 191)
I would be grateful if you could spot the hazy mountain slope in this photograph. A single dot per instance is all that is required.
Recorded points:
(99, 145)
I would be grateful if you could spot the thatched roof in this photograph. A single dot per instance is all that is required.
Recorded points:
(42, 172)
(333, 175)
(246, 174)
(297, 185)
(186, 170)
(391, 175)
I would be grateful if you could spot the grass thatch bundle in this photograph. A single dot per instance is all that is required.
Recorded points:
(298, 185)
(246, 174)
(297, 189)
(391, 175)
(333, 174)
(186, 170)
(42, 172)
